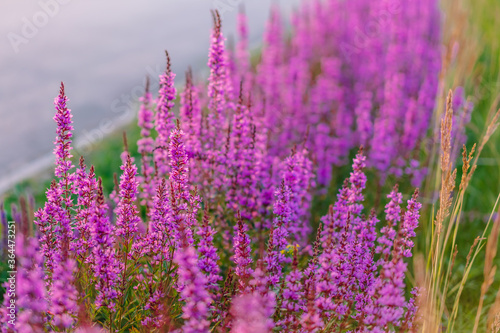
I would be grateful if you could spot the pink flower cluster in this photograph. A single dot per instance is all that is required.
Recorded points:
(212, 233)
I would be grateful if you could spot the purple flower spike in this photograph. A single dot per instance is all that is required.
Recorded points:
(63, 140)
(162, 230)
(298, 175)
(193, 292)
(242, 256)
(311, 319)
(279, 233)
(164, 118)
(293, 298)
(127, 213)
(393, 216)
(388, 289)
(218, 80)
(242, 162)
(47, 219)
(409, 224)
(183, 205)
(105, 263)
(63, 294)
(358, 182)
(208, 254)
(145, 148)
(86, 187)
(191, 117)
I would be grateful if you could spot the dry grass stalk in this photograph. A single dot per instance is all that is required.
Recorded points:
(490, 130)
(447, 175)
(469, 255)
(466, 159)
(491, 251)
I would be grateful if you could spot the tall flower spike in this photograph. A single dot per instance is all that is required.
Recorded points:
(393, 216)
(218, 80)
(191, 116)
(127, 212)
(63, 169)
(47, 219)
(162, 230)
(298, 175)
(410, 223)
(164, 117)
(336, 217)
(86, 188)
(357, 180)
(145, 122)
(242, 162)
(278, 240)
(311, 320)
(183, 205)
(145, 148)
(242, 54)
(105, 263)
(208, 254)
(63, 296)
(388, 289)
(269, 70)
(219, 91)
(64, 134)
(193, 291)
(242, 256)
(293, 298)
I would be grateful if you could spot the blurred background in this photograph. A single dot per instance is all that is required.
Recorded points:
(101, 50)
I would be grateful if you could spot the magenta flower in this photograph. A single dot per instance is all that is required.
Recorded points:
(298, 175)
(145, 148)
(161, 229)
(48, 219)
(294, 301)
(279, 233)
(86, 187)
(183, 205)
(191, 117)
(311, 319)
(63, 295)
(164, 117)
(208, 257)
(242, 256)
(242, 162)
(393, 216)
(250, 315)
(106, 267)
(193, 291)
(63, 140)
(127, 213)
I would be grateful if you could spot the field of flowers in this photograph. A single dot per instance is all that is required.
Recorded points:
(335, 183)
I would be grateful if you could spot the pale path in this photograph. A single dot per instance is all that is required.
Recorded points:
(101, 50)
